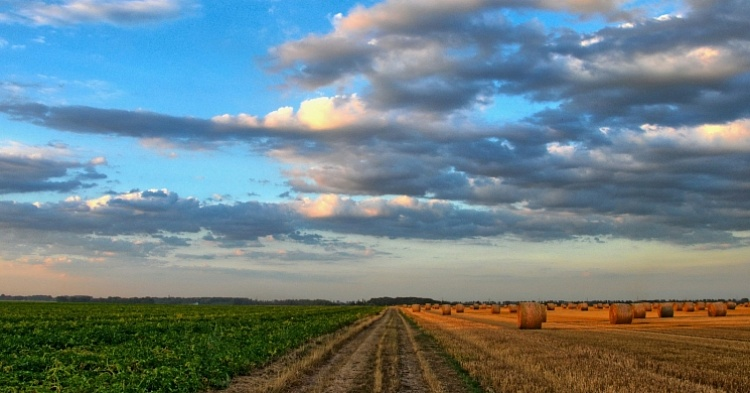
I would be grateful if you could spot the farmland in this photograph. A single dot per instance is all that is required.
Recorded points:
(579, 351)
(138, 348)
(142, 348)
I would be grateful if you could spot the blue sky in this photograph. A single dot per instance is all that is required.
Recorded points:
(486, 149)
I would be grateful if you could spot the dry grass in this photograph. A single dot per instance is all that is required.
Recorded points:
(582, 352)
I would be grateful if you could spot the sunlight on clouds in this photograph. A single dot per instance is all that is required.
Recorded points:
(49, 152)
(331, 112)
(282, 117)
(328, 205)
(702, 63)
(733, 136)
(322, 113)
(242, 119)
(100, 202)
(98, 161)
(736, 132)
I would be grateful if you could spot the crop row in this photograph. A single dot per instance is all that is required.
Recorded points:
(150, 348)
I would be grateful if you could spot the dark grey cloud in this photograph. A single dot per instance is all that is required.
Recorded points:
(150, 213)
(23, 174)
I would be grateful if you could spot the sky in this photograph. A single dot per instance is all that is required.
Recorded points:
(462, 150)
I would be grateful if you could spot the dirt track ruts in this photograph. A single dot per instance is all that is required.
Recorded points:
(388, 355)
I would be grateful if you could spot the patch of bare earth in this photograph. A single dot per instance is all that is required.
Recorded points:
(380, 355)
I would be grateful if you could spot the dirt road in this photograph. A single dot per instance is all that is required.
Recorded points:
(386, 354)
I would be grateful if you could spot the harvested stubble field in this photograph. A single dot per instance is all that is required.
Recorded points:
(579, 351)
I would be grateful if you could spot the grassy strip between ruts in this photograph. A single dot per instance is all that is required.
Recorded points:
(288, 369)
(425, 338)
(150, 348)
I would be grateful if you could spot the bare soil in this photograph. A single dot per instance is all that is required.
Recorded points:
(386, 354)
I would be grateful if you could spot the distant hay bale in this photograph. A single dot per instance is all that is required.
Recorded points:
(436, 306)
(599, 306)
(513, 308)
(496, 309)
(620, 314)
(639, 311)
(665, 310)
(530, 315)
(688, 306)
(572, 306)
(648, 307)
(551, 306)
(446, 309)
(717, 309)
(428, 306)
(731, 305)
(459, 307)
(476, 306)
(700, 306)
(583, 306)
(416, 308)
(482, 306)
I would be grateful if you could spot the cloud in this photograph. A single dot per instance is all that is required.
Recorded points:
(440, 57)
(26, 169)
(643, 132)
(70, 12)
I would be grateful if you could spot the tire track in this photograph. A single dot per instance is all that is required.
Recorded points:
(386, 356)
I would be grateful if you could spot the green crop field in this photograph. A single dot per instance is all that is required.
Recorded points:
(150, 348)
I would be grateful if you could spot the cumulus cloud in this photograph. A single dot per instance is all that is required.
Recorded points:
(644, 134)
(69, 12)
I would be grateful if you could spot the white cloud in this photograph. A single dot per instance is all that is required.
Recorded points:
(319, 114)
(98, 11)
(729, 137)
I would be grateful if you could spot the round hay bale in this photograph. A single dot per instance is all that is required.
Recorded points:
(530, 315)
(572, 306)
(446, 309)
(513, 308)
(731, 305)
(700, 306)
(665, 310)
(476, 306)
(620, 314)
(416, 308)
(496, 309)
(459, 307)
(717, 309)
(436, 306)
(428, 306)
(639, 311)
(688, 306)
(599, 306)
(551, 306)
(583, 306)
(648, 307)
